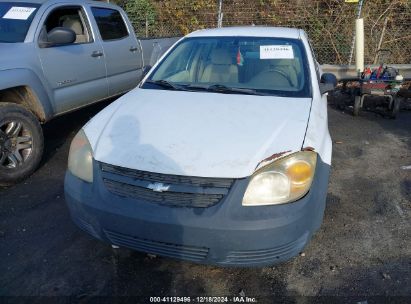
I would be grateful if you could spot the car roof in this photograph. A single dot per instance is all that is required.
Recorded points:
(28, 1)
(249, 31)
(103, 3)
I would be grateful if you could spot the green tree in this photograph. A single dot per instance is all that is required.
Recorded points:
(185, 16)
(142, 14)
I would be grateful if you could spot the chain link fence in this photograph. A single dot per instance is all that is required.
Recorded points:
(329, 23)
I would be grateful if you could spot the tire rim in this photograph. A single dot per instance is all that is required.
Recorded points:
(16, 144)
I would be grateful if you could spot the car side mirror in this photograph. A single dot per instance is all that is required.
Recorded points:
(58, 36)
(146, 69)
(328, 82)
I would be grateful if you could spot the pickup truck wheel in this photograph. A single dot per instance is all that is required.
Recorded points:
(21, 143)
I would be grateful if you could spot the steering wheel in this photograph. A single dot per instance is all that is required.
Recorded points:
(282, 73)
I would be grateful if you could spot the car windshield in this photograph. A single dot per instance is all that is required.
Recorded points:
(239, 65)
(15, 20)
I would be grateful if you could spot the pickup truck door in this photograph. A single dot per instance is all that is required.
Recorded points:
(76, 73)
(122, 50)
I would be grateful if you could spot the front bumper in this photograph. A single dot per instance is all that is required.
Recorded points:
(224, 234)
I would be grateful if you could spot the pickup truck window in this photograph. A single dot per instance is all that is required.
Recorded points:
(110, 23)
(15, 20)
(71, 17)
(263, 65)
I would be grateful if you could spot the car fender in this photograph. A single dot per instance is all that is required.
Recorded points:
(40, 99)
(317, 136)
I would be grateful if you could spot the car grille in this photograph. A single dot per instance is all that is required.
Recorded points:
(181, 191)
(265, 255)
(190, 253)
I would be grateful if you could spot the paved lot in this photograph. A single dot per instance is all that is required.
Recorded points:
(363, 248)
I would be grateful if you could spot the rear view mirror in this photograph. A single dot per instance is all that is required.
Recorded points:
(58, 36)
(328, 82)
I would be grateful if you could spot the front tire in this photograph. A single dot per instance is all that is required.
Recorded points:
(21, 143)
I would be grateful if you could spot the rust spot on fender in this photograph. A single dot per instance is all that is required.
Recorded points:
(275, 156)
(271, 158)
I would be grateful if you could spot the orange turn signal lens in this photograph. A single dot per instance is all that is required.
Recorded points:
(300, 172)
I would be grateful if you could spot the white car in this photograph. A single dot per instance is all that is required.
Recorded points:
(221, 155)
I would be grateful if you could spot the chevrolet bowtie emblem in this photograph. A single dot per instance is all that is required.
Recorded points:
(158, 187)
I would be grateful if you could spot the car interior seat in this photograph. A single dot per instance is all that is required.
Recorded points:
(74, 23)
(277, 73)
(221, 68)
(288, 67)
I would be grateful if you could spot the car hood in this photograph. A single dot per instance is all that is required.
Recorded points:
(197, 133)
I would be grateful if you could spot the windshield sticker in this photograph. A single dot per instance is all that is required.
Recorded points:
(276, 52)
(19, 13)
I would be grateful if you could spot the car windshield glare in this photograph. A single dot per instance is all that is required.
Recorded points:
(268, 66)
(15, 20)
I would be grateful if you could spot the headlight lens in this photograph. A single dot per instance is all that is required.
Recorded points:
(283, 181)
(80, 162)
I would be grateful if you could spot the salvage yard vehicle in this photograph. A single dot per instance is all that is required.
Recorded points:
(221, 155)
(57, 56)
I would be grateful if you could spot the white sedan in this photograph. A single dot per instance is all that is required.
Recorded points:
(221, 155)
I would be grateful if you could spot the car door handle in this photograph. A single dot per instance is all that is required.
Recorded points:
(133, 49)
(97, 54)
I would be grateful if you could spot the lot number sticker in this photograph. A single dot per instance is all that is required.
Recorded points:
(19, 13)
(276, 52)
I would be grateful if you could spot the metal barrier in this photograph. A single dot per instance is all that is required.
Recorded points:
(153, 49)
(348, 72)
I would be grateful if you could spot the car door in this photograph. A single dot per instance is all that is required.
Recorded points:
(76, 73)
(121, 48)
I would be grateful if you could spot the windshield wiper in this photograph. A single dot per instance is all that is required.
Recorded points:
(166, 84)
(219, 88)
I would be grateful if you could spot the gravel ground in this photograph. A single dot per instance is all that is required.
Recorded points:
(362, 252)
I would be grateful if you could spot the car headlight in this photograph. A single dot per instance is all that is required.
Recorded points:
(282, 181)
(80, 162)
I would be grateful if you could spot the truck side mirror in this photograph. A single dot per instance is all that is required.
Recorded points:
(146, 69)
(58, 36)
(328, 82)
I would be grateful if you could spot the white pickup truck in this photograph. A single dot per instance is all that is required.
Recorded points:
(57, 56)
